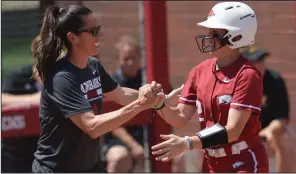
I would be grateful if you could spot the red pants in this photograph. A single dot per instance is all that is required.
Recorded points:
(250, 160)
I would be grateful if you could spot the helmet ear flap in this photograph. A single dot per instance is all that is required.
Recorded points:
(225, 40)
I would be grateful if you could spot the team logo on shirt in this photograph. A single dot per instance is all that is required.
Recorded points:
(90, 85)
(93, 95)
(92, 91)
(237, 164)
(224, 99)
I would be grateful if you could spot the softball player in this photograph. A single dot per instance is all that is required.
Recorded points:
(226, 91)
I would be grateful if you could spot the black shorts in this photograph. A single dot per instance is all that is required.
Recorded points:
(13, 165)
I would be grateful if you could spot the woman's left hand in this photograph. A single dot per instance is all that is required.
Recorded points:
(170, 148)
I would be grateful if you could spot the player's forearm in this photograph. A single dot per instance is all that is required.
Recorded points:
(196, 142)
(232, 134)
(124, 136)
(173, 116)
(106, 122)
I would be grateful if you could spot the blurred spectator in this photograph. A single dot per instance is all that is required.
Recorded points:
(283, 147)
(275, 102)
(20, 87)
(124, 146)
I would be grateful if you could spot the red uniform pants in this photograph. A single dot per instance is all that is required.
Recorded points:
(251, 160)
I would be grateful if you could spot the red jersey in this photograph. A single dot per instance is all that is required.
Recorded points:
(238, 85)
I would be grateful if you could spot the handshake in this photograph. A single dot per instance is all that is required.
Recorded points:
(152, 96)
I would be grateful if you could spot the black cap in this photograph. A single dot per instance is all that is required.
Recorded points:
(19, 81)
(254, 54)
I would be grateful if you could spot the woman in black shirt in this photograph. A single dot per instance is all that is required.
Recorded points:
(71, 97)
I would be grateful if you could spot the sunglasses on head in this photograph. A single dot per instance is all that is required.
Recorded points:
(95, 31)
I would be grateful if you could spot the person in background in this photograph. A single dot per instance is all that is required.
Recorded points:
(124, 146)
(275, 102)
(19, 88)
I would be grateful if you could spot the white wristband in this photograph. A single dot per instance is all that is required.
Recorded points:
(189, 142)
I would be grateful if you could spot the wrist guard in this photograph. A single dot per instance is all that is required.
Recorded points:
(213, 136)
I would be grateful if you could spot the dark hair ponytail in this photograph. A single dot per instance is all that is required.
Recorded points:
(47, 46)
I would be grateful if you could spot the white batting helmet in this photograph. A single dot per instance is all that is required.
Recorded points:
(237, 18)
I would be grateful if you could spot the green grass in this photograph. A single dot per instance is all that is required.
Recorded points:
(15, 53)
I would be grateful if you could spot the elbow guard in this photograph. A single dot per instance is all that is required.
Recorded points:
(213, 136)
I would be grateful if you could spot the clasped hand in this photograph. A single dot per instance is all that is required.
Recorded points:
(151, 95)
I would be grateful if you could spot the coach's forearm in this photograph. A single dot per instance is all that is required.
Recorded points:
(130, 95)
(104, 123)
(173, 116)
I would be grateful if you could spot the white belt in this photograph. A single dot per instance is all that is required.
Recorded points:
(235, 149)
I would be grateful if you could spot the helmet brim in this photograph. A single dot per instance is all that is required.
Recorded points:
(215, 25)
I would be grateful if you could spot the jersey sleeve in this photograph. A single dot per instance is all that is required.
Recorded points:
(188, 95)
(108, 83)
(67, 95)
(248, 91)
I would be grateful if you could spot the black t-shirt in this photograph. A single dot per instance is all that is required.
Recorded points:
(63, 147)
(275, 102)
(19, 150)
(135, 83)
